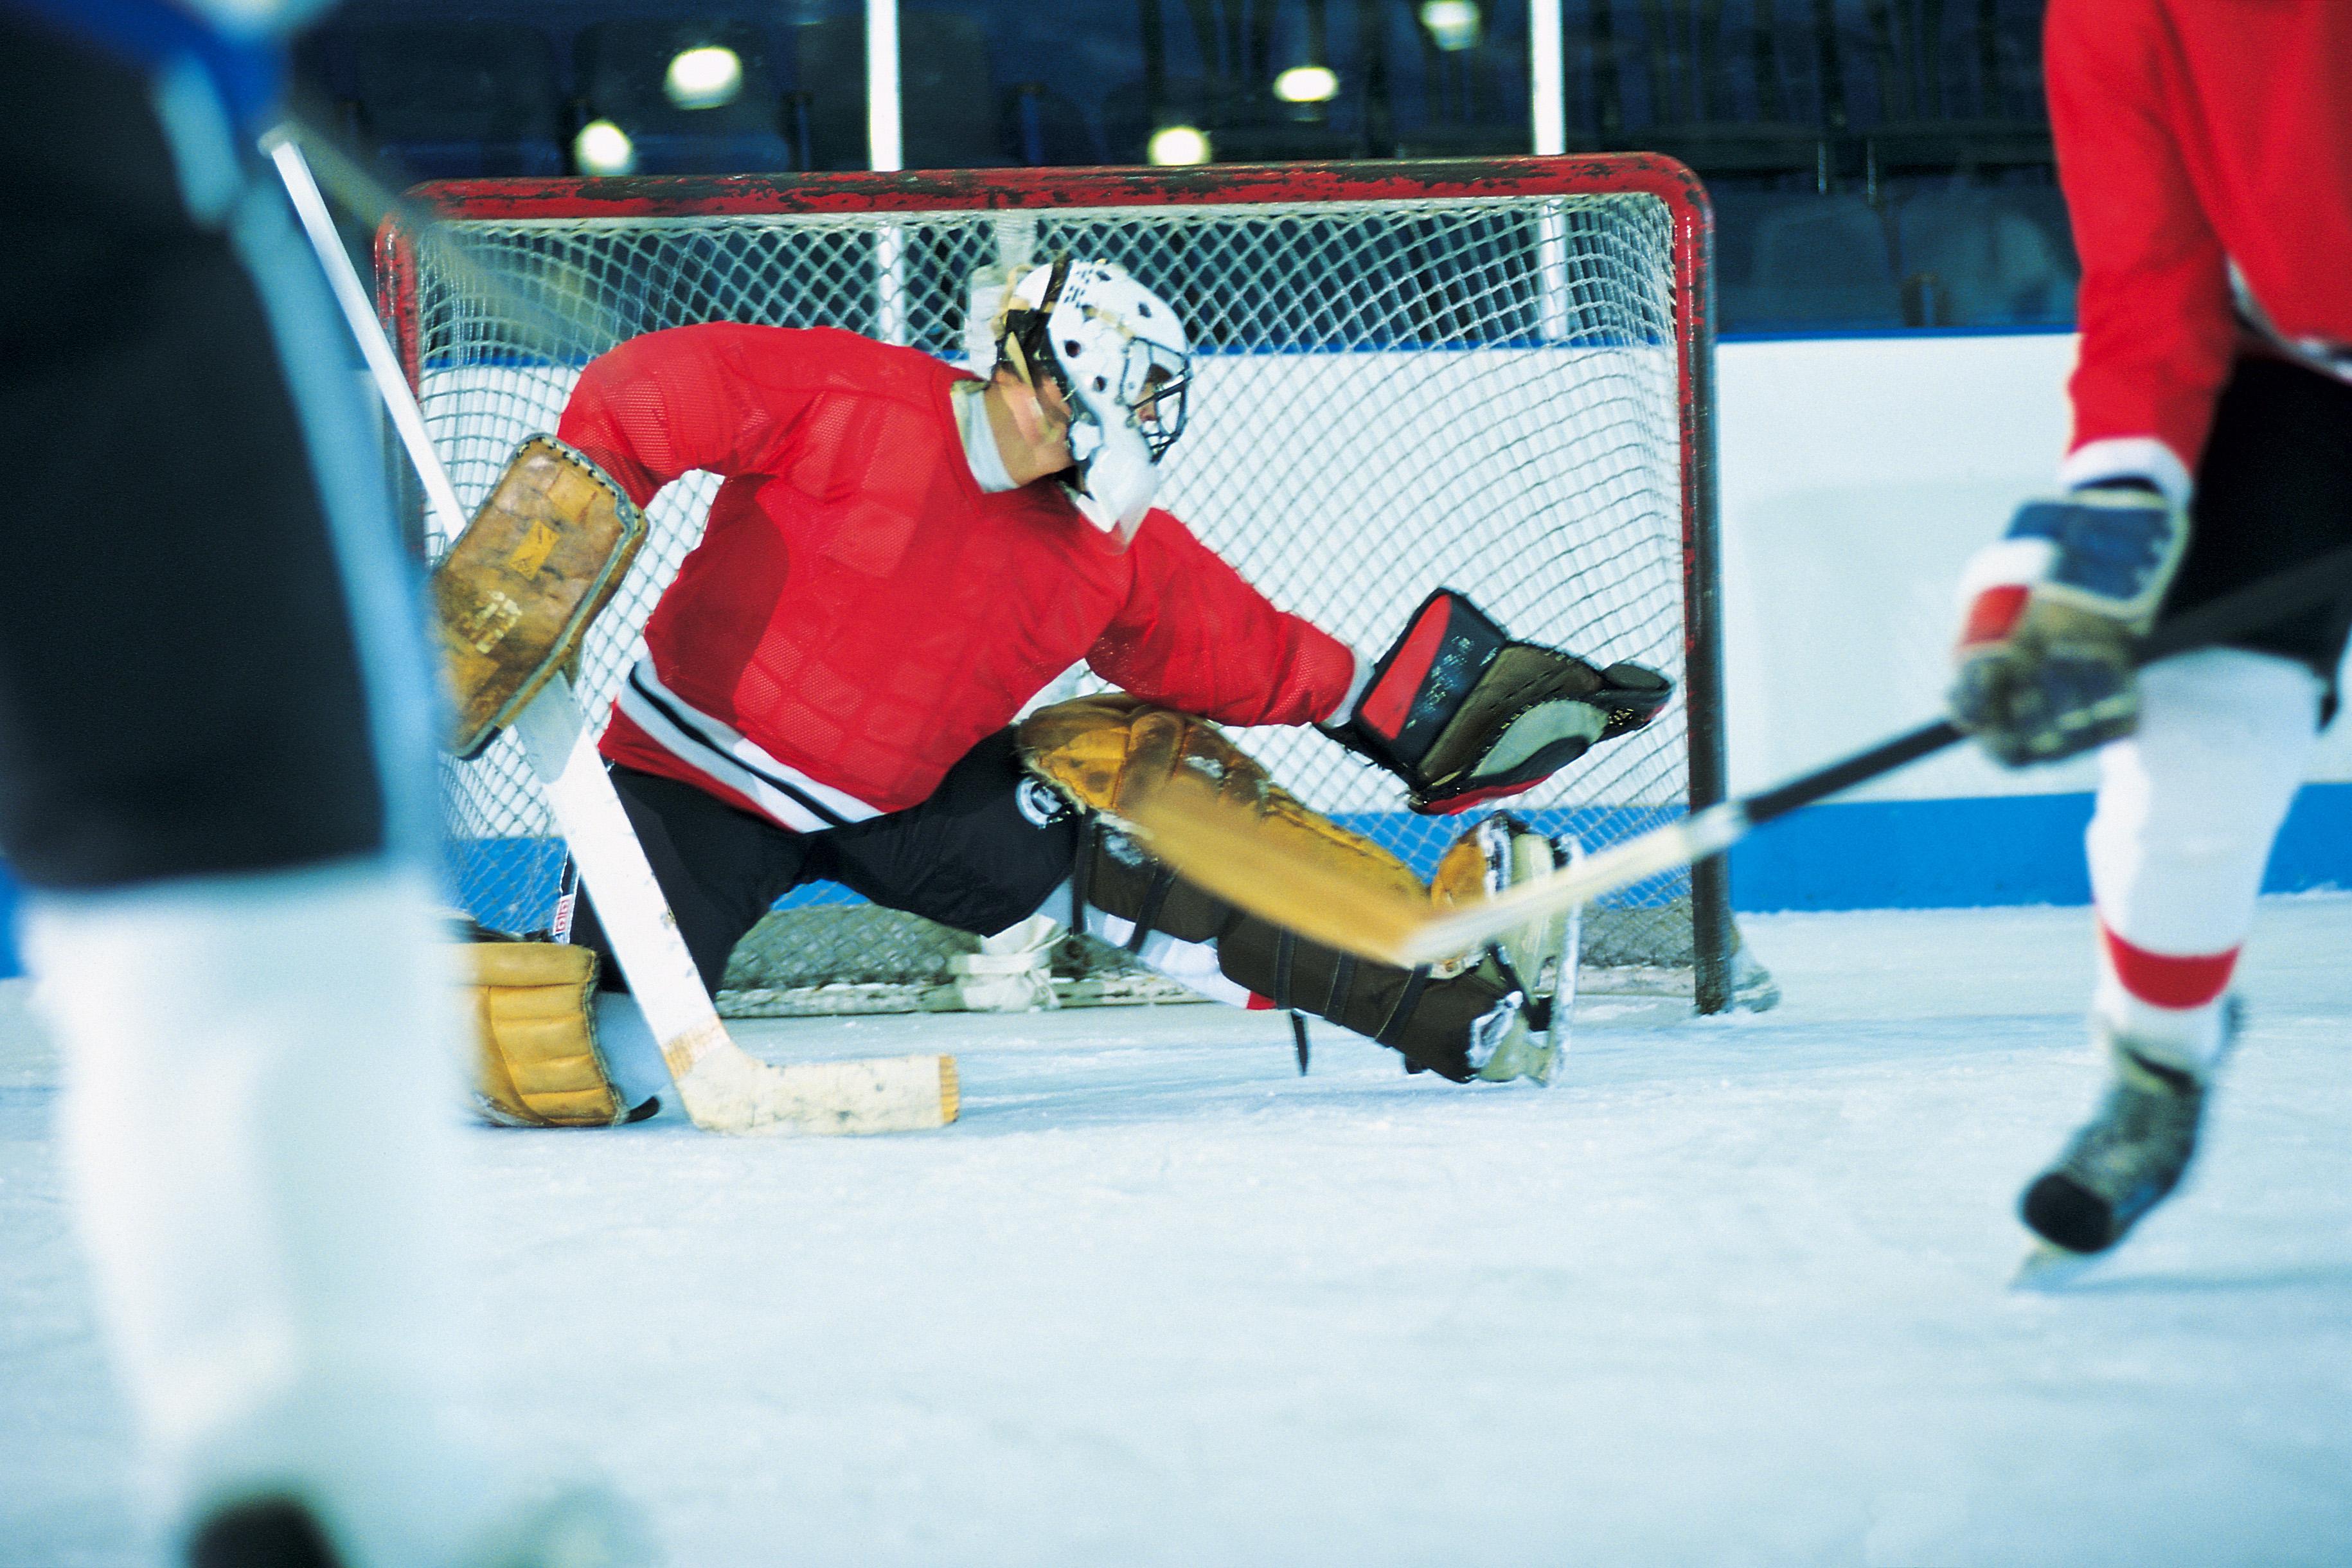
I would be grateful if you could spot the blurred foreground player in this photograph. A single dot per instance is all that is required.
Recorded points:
(214, 782)
(902, 556)
(2206, 151)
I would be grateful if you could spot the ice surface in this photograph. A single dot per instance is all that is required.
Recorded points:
(1734, 1292)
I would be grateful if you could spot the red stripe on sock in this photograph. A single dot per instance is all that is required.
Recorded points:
(2162, 980)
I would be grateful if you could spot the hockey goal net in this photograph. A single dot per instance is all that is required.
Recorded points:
(1493, 374)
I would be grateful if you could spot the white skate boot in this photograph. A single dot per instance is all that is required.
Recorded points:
(1536, 961)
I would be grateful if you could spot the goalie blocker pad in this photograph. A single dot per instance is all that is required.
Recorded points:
(515, 594)
(1464, 714)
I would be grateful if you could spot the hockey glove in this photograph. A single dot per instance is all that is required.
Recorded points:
(514, 595)
(2044, 660)
(1463, 714)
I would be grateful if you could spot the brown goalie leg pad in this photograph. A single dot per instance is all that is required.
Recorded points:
(535, 1059)
(1424, 1019)
(1102, 750)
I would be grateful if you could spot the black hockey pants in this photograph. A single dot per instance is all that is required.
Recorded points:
(985, 851)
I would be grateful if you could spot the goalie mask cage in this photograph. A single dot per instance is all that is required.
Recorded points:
(1493, 374)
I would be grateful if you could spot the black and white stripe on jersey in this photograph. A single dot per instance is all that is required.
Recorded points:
(711, 747)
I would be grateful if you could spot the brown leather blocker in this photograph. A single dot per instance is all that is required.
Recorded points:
(1101, 750)
(536, 1061)
(515, 594)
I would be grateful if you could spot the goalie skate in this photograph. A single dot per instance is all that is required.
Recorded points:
(1525, 1037)
(2123, 1163)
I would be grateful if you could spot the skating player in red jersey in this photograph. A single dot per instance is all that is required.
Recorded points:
(2205, 147)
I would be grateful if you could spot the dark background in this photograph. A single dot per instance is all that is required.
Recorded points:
(1876, 164)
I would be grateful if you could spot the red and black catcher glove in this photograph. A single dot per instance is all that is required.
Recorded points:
(1465, 714)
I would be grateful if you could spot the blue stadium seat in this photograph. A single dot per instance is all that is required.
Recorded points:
(1986, 256)
(947, 109)
(452, 99)
(1794, 258)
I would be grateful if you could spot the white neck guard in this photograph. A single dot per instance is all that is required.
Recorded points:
(980, 441)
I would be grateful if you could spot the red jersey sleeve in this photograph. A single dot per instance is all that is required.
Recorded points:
(1195, 636)
(2158, 329)
(723, 397)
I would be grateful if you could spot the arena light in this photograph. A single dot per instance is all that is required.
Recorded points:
(1452, 23)
(1307, 84)
(603, 148)
(708, 77)
(1178, 144)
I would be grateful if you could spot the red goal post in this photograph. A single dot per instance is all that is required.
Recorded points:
(1495, 374)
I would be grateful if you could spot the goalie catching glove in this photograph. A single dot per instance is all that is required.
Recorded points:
(2045, 663)
(1465, 714)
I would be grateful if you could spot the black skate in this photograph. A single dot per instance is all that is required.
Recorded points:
(269, 1533)
(581, 1526)
(2126, 1159)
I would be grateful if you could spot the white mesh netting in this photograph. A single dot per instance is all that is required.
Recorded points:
(1389, 394)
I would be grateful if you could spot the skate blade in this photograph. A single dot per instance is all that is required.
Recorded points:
(2048, 1266)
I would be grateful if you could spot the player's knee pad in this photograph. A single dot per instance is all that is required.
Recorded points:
(2188, 804)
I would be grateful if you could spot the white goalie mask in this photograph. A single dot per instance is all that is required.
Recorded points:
(1116, 353)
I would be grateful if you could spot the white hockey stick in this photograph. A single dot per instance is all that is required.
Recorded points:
(723, 1089)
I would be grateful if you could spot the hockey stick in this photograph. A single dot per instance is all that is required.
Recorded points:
(723, 1089)
(1209, 843)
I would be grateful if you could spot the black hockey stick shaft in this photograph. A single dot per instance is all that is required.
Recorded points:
(1423, 938)
(2234, 613)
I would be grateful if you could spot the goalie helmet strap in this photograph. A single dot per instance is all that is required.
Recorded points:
(1024, 344)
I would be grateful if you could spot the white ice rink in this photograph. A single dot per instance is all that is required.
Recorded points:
(1735, 1292)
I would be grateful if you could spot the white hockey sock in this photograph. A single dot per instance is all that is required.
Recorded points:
(2187, 810)
(258, 1125)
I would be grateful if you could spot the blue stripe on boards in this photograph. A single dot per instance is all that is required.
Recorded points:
(1979, 852)
(1987, 851)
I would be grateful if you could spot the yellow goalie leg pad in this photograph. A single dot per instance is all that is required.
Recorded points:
(1108, 751)
(536, 1060)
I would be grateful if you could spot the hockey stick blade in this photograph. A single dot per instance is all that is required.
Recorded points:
(1215, 844)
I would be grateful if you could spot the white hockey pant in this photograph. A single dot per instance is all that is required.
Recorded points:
(260, 1124)
(2187, 810)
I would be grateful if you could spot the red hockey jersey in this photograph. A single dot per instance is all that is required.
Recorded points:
(859, 612)
(2206, 151)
